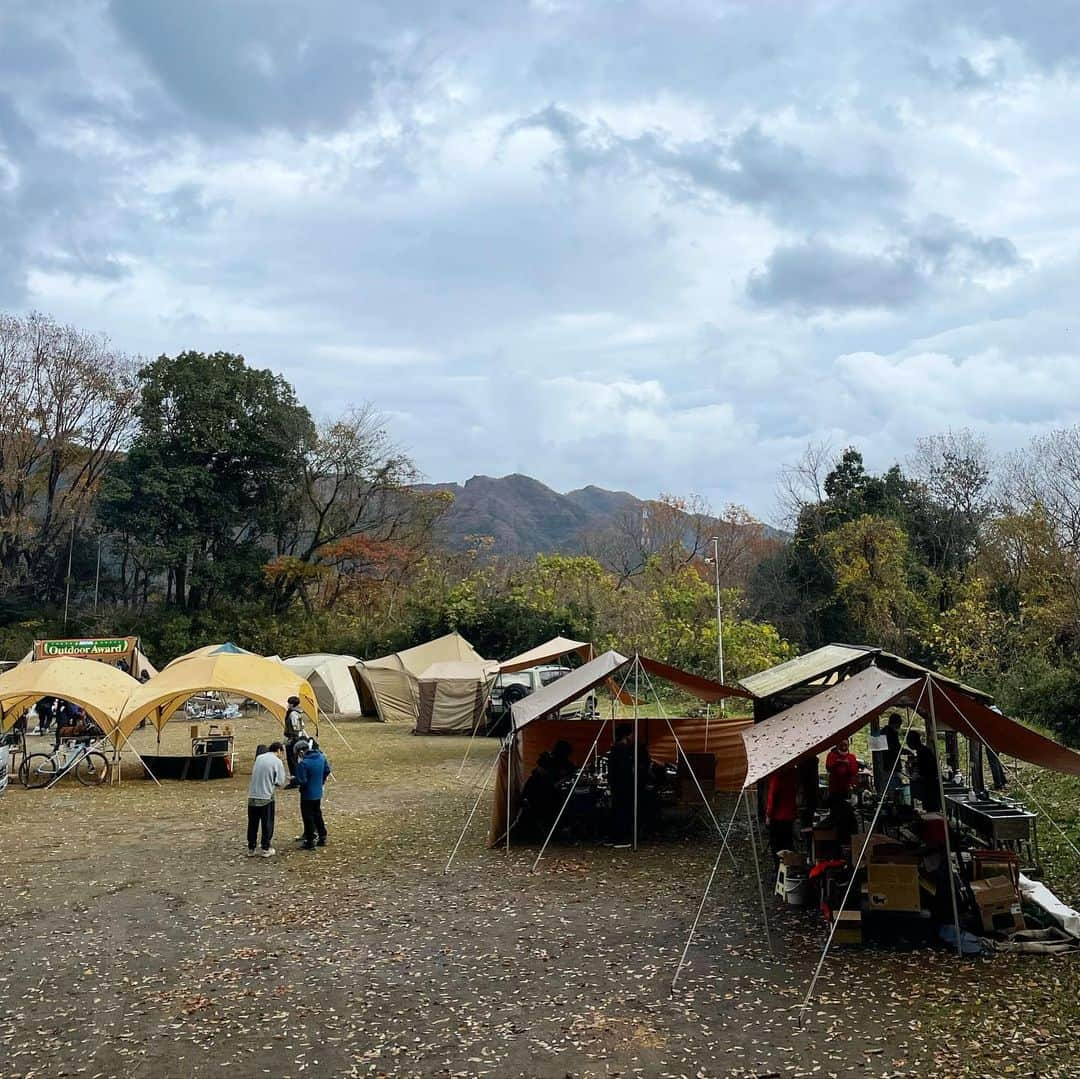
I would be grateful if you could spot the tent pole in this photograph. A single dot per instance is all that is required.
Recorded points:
(569, 795)
(637, 665)
(476, 727)
(127, 742)
(509, 776)
(708, 888)
(1015, 774)
(334, 728)
(945, 817)
(752, 825)
(679, 750)
(858, 863)
(472, 813)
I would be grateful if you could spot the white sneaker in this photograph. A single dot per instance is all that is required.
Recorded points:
(251, 853)
(268, 853)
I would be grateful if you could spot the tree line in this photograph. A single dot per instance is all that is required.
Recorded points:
(194, 498)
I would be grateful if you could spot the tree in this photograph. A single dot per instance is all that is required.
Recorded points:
(357, 515)
(212, 474)
(66, 405)
(869, 560)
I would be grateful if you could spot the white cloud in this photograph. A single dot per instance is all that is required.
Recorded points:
(336, 195)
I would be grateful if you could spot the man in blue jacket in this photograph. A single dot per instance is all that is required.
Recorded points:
(312, 771)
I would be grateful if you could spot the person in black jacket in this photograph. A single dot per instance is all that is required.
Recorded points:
(294, 731)
(926, 771)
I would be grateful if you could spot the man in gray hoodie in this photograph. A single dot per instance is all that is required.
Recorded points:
(267, 774)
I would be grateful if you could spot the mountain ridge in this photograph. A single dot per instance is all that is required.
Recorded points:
(524, 517)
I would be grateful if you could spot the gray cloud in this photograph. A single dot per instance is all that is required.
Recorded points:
(250, 64)
(815, 276)
(751, 168)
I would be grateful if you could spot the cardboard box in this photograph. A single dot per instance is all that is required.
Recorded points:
(994, 892)
(893, 887)
(862, 839)
(792, 858)
(848, 927)
(1002, 919)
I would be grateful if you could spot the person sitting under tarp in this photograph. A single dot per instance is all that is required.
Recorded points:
(540, 797)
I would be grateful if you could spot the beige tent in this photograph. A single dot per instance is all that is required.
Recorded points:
(390, 686)
(454, 696)
(99, 688)
(548, 652)
(223, 669)
(332, 680)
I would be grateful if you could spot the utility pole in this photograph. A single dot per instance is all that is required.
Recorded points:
(97, 573)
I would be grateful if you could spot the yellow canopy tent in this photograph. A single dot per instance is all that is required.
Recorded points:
(102, 690)
(223, 669)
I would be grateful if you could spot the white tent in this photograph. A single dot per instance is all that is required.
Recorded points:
(390, 686)
(332, 679)
(454, 696)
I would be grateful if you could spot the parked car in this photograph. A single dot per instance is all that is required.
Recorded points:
(513, 686)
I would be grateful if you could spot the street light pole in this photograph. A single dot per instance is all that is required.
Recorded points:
(719, 615)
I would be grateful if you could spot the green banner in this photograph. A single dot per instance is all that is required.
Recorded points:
(106, 646)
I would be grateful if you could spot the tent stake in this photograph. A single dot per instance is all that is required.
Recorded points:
(708, 888)
(945, 817)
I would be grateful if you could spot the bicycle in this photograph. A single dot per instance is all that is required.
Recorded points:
(91, 768)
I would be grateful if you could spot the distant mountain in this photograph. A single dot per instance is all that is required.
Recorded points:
(525, 517)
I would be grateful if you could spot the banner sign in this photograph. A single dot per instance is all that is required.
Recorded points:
(105, 648)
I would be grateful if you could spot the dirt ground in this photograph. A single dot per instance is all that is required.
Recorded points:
(140, 941)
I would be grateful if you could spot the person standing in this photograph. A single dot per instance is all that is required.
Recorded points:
(781, 809)
(312, 773)
(294, 731)
(267, 774)
(621, 782)
(927, 778)
(843, 768)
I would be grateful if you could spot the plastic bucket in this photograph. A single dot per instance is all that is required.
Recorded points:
(795, 889)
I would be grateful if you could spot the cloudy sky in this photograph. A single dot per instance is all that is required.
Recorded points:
(650, 244)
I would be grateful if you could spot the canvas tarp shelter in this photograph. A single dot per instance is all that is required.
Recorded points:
(392, 682)
(536, 727)
(101, 689)
(331, 679)
(225, 669)
(548, 652)
(818, 723)
(608, 666)
(837, 711)
(454, 696)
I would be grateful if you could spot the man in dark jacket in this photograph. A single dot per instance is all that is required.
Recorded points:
(312, 771)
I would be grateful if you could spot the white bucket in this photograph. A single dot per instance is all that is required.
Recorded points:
(795, 887)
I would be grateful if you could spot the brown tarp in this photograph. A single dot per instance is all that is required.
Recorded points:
(612, 666)
(1002, 734)
(817, 723)
(721, 737)
(704, 688)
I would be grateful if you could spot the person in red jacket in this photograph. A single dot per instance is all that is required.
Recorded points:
(843, 769)
(781, 809)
